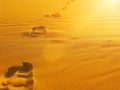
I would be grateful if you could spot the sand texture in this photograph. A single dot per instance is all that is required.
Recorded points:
(77, 51)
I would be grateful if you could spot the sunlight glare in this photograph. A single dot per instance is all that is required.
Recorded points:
(107, 7)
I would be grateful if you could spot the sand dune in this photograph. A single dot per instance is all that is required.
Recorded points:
(76, 53)
(74, 64)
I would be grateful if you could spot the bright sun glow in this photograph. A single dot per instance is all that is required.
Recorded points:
(109, 4)
(107, 7)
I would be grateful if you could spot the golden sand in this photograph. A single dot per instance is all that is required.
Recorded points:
(80, 51)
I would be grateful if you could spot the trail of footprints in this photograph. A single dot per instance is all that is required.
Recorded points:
(18, 78)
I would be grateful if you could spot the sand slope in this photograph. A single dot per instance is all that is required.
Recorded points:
(68, 57)
(66, 63)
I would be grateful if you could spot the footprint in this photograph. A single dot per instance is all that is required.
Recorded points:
(58, 41)
(18, 78)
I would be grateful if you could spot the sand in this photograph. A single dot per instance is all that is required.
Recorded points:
(64, 61)
(76, 53)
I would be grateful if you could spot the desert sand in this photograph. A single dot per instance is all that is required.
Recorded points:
(78, 52)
